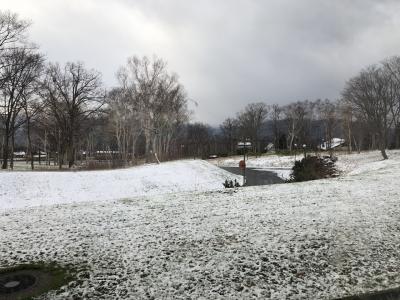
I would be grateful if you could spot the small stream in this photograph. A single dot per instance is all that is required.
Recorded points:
(256, 176)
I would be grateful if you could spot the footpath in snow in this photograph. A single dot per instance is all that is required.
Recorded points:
(26, 189)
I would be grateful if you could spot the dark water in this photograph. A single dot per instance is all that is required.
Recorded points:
(255, 176)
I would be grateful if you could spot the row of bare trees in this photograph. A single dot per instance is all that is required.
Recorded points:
(20, 64)
(367, 116)
(64, 110)
(373, 96)
(301, 122)
(40, 95)
(68, 96)
(365, 120)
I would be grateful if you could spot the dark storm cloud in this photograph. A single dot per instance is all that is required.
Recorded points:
(227, 53)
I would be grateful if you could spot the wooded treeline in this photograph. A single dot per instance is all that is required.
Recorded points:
(63, 114)
(367, 122)
(367, 117)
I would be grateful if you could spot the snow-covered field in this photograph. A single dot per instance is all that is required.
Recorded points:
(314, 240)
(22, 189)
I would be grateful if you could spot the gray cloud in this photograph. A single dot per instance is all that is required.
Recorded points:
(227, 53)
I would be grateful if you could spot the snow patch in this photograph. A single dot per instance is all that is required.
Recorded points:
(27, 189)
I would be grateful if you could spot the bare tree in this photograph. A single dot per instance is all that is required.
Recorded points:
(371, 95)
(229, 131)
(250, 121)
(125, 121)
(71, 94)
(21, 68)
(392, 67)
(143, 77)
(276, 113)
(12, 29)
(32, 108)
(12, 32)
(198, 138)
(159, 101)
(347, 116)
(295, 114)
(170, 112)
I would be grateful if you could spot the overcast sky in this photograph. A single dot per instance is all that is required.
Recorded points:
(227, 53)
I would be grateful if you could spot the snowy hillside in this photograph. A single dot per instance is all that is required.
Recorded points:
(22, 189)
(322, 239)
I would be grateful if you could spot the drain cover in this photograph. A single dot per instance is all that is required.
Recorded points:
(12, 284)
(16, 281)
(22, 283)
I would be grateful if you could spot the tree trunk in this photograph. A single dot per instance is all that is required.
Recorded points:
(60, 156)
(133, 150)
(28, 128)
(383, 152)
(1, 148)
(349, 137)
(382, 144)
(155, 142)
(6, 147)
(5, 153)
(12, 150)
(291, 142)
(148, 146)
(71, 150)
(60, 161)
(397, 136)
(357, 145)
(373, 142)
(291, 137)
(71, 156)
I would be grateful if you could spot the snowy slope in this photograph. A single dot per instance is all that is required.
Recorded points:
(358, 163)
(314, 240)
(22, 189)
